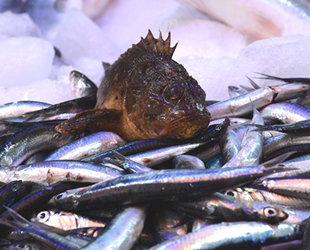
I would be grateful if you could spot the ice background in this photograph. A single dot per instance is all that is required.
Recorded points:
(215, 54)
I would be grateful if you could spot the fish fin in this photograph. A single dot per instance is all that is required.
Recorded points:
(106, 65)
(287, 80)
(16, 216)
(95, 119)
(254, 84)
(159, 45)
(17, 221)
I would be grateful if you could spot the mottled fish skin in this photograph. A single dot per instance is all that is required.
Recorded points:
(146, 187)
(145, 94)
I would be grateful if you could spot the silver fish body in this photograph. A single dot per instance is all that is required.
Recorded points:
(123, 230)
(50, 172)
(241, 234)
(162, 185)
(86, 146)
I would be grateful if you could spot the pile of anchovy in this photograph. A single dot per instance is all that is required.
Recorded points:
(241, 184)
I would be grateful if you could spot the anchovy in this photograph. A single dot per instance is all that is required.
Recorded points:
(253, 194)
(82, 85)
(34, 201)
(20, 146)
(285, 143)
(251, 148)
(297, 187)
(11, 127)
(128, 164)
(297, 166)
(161, 185)
(167, 223)
(47, 237)
(285, 112)
(65, 220)
(157, 156)
(8, 194)
(188, 162)
(212, 133)
(241, 234)
(296, 128)
(71, 106)
(122, 232)
(17, 109)
(229, 144)
(235, 91)
(259, 98)
(50, 172)
(86, 146)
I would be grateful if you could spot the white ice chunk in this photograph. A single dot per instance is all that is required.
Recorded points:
(205, 38)
(92, 68)
(125, 22)
(24, 60)
(283, 57)
(45, 90)
(78, 36)
(15, 25)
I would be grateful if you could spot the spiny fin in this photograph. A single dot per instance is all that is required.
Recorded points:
(159, 45)
(287, 80)
(96, 119)
(105, 65)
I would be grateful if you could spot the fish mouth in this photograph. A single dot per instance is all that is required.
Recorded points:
(186, 126)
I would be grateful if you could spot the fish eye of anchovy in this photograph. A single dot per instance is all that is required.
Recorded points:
(231, 192)
(60, 196)
(21, 246)
(43, 216)
(270, 212)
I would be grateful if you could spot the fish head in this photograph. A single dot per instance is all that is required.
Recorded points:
(173, 105)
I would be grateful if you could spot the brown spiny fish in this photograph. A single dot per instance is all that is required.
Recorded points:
(145, 94)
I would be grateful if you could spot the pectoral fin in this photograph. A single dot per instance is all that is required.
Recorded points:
(96, 120)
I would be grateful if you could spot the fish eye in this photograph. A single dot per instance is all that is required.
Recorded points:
(231, 192)
(21, 246)
(173, 91)
(60, 196)
(270, 212)
(43, 216)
